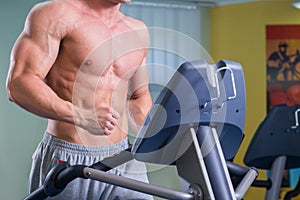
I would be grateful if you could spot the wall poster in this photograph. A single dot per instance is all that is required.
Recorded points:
(283, 64)
(283, 72)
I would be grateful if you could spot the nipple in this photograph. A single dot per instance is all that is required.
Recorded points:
(88, 62)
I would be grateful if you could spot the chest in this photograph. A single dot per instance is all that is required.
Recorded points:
(95, 48)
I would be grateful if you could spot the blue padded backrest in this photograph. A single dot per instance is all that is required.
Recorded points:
(192, 99)
(277, 135)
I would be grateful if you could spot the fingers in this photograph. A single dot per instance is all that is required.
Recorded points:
(106, 131)
(115, 114)
(108, 120)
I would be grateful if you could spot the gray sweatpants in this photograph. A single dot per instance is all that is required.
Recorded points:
(52, 149)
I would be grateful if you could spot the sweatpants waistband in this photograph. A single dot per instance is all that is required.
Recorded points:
(58, 144)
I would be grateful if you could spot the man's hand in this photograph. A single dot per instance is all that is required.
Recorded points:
(98, 121)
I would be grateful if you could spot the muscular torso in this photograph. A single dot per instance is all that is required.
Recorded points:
(93, 68)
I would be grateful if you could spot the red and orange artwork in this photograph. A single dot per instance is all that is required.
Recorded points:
(283, 64)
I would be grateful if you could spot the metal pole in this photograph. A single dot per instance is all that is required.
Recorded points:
(136, 185)
(276, 178)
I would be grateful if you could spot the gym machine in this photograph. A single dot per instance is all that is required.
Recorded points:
(275, 147)
(195, 124)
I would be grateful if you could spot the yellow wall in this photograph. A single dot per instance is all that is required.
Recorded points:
(238, 34)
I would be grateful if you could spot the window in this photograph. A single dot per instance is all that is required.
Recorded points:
(175, 37)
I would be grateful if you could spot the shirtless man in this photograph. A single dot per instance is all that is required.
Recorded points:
(81, 65)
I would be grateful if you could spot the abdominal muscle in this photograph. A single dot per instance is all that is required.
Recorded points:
(109, 91)
(77, 135)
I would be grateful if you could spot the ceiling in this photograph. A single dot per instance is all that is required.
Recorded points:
(209, 3)
(220, 2)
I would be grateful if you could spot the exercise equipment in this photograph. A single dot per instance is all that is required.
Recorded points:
(275, 147)
(195, 124)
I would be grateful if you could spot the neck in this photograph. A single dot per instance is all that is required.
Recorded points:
(104, 5)
(107, 11)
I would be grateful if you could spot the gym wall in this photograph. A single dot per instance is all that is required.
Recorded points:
(238, 34)
(19, 130)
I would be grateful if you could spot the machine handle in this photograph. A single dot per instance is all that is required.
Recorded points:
(296, 119)
(218, 86)
(38, 194)
(232, 80)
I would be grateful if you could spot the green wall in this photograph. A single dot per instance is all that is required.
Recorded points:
(238, 34)
(19, 131)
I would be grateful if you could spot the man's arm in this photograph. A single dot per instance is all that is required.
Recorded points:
(31, 59)
(140, 100)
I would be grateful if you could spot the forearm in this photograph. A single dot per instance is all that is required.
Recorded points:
(32, 94)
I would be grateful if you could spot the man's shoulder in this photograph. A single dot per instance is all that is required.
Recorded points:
(134, 23)
(52, 9)
(54, 17)
(140, 29)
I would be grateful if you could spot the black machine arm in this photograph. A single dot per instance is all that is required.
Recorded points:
(293, 193)
(57, 180)
(38, 194)
(62, 174)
